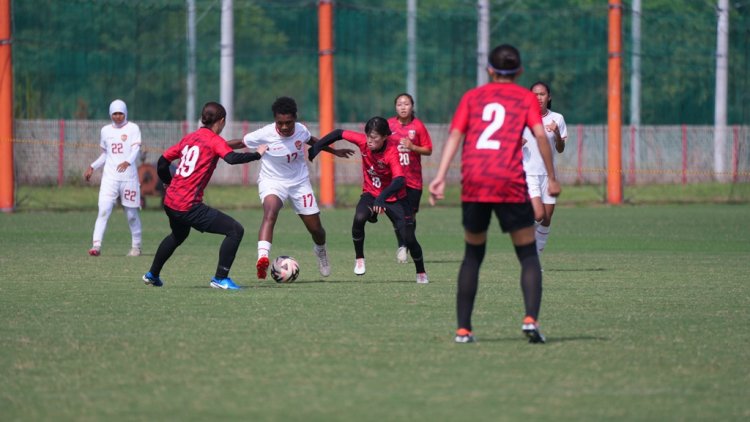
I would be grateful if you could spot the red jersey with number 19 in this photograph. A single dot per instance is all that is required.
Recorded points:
(198, 153)
(379, 168)
(493, 117)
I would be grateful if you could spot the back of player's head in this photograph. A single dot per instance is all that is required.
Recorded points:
(212, 113)
(284, 105)
(379, 125)
(505, 60)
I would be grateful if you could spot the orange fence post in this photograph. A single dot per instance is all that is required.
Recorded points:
(614, 106)
(326, 98)
(7, 201)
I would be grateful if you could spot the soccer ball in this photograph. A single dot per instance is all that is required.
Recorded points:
(284, 269)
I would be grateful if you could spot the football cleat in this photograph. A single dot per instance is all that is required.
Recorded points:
(152, 280)
(464, 336)
(134, 252)
(223, 283)
(359, 266)
(530, 328)
(422, 278)
(401, 255)
(262, 267)
(95, 251)
(323, 266)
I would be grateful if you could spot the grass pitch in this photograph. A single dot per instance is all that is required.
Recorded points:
(646, 310)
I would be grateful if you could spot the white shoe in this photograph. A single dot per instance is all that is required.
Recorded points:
(359, 266)
(134, 252)
(323, 266)
(422, 278)
(401, 255)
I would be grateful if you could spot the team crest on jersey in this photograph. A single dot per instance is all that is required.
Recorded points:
(124, 137)
(381, 164)
(298, 145)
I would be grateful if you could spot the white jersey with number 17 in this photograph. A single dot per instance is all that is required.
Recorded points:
(285, 159)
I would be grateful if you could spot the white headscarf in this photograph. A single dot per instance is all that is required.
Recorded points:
(118, 106)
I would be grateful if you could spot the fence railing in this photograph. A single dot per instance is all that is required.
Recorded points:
(56, 152)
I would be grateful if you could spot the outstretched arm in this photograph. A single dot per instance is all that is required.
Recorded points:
(330, 138)
(245, 157)
(342, 152)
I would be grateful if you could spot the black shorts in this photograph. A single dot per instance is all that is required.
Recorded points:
(200, 217)
(512, 216)
(413, 196)
(399, 212)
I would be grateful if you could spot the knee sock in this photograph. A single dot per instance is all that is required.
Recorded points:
(105, 210)
(134, 221)
(228, 250)
(531, 279)
(468, 281)
(264, 248)
(541, 234)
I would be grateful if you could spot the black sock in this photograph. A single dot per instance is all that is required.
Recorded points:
(468, 282)
(531, 278)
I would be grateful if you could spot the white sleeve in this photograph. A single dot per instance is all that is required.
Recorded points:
(134, 150)
(99, 162)
(563, 128)
(253, 139)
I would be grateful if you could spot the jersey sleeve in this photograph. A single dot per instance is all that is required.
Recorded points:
(220, 146)
(172, 153)
(460, 120)
(359, 139)
(255, 139)
(563, 128)
(136, 135)
(424, 136)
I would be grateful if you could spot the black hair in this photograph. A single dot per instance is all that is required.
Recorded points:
(549, 91)
(212, 113)
(505, 60)
(284, 105)
(379, 125)
(407, 95)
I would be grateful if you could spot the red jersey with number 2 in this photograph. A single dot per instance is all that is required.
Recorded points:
(198, 153)
(379, 168)
(493, 117)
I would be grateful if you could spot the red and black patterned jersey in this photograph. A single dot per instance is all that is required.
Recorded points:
(411, 161)
(379, 168)
(198, 153)
(493, 117)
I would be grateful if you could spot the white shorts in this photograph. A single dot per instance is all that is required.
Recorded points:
(538, 187)
(129, 192)
(301, 195)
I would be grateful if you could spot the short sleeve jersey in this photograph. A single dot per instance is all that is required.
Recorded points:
(285, 158)
(198, 153)
(492, 118)
(117, 144)
(532, 159)
(410, 160)
(379, 168)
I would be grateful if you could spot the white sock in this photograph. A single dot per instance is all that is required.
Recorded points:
(319, 248)
(105, 209)
(541, 234)
(134, 221)
(264, 248)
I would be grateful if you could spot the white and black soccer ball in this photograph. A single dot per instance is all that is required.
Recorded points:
(284, 269)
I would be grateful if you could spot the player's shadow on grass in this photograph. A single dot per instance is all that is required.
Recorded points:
(442, 261)
(550, 340)
(564, 270)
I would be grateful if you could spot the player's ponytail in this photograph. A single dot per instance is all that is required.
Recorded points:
(212, 113)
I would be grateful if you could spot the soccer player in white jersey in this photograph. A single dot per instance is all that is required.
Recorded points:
(536, 173)
(284, 176)
(120, 143)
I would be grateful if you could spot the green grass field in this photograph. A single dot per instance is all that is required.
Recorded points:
(646, 310)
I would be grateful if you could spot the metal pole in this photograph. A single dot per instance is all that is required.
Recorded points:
(411, 53)
(227, 62)
(635, 84)
(720, 105)
(190, 80)
(483, 40)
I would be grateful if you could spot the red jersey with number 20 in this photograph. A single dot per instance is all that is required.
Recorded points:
(198, 153)
(411, 161)
(379, 168)
(493, 117)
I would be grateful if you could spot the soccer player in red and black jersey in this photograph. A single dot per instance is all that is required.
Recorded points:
(414, 142)
(199, 152)
(490, 120)
(383, 189)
